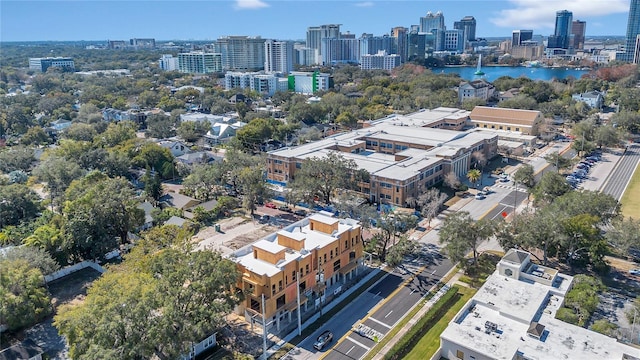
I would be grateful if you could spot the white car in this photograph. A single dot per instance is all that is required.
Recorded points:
(634, 271)
(480, 196)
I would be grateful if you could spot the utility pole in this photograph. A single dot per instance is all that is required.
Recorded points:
(264, 331)
(298, 293)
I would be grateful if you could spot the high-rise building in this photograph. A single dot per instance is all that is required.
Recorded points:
(578, 30)
(468, 25)
(278, 56)
(561, 38)
(315, 34)
(399, 36)
(381, 60)
(340, 51)
(633, 30)
(168, 62)
(371, 45)
(137, 43)
(519, 36)
(416, 45)
(199, 62)
(42, 64)
(432, 21)
(450, 40)
(241, 52)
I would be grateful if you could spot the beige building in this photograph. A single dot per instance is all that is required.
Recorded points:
(308, 256)
(404, 154)
(524, 121)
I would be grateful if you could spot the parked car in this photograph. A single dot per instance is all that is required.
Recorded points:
(634, 271)
(270, 205)
(486, 190)
(264, 219)
(480, 196)
(300, 213)
(284, 208)
(323, 340)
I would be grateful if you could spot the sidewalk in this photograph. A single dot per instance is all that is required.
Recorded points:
(403, 331)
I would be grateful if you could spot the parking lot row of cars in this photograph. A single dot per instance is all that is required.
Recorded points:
(582, 169)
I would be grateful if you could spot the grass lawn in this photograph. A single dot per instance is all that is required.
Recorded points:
(630, 203)
(430, 342)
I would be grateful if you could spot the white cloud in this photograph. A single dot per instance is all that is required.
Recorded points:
(250, 4)
(541, 14)
(365, 4)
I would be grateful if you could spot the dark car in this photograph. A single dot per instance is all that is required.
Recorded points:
(324, 339)
(284, 208)
(264, 219)
(300, 213)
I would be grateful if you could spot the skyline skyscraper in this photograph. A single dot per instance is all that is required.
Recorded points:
(578, 30)
(242, 53)
(315, 34)
(432, 21)
(278, 56)
(399, 35)
(561, 38)
(518, 36)
(468, 26)
(633, 30)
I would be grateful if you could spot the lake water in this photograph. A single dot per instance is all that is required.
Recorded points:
(494, 72)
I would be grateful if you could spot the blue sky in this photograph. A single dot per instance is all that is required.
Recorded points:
(56, 20)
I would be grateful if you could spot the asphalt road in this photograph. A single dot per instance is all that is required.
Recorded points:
(617, 182)
(379, 308)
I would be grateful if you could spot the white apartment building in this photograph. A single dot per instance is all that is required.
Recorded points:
(168, 62)
(241, 53)
(199, 62)
(308, 83)
(512, 316)
(267, 84)
(381, 60)
(278, 56)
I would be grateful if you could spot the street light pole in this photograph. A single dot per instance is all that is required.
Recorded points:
(298, 295)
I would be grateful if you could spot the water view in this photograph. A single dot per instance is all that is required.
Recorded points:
(493, 72)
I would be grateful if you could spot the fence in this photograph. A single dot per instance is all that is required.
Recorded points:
(73, 268)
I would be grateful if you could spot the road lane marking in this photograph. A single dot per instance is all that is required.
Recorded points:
(353, 347)
(359, 343)
(380, 322)
(434, 271)
(386, 316)
(412, 291)
(488, 211)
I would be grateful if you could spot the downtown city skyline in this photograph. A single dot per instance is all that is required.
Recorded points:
(287, 20)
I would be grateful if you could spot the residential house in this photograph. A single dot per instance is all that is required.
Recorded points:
(221, 132)
(178, 201)
(195, 158)
(202, 346)
(301, 260)
(509, 94)
(513, 316)
(177, 148)
(594, 99)
(476, 89)
(26, 350)
(177, 221)
(523, 121)
(206, 206)
(60, 125)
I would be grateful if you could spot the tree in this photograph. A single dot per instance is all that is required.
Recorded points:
(606, 136)
(160, 126)
(323, 176)
(25, 300)
(35, 136)
(99, 210)
(397, 253)
(155, 157)
(116, 134)
(17, 203)
(624, 234)
(525, 175)
(551, 186)
(430, 203)
(152, 186)
(36, 257)
(191, 131)
(391, 226)
(557, 160)
(161, 299)
(206, 182)
(252, 186)
(474, 175)
(57, 173)
(16, 158)
(80, 132)
(452, 181)
(460, 233)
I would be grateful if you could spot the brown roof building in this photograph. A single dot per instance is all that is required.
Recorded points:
(523, 121)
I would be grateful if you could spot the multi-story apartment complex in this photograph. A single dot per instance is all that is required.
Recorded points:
(242, 53)
(309, 83)
(381, 60)
(168, 62)
(278, 56)
(299, 261)
(340, 51)
(404, 154)
(199, 62)
(266, 84)
(315, 34)
(42, 64)
(306, 56)
(371, 45)
(142, 43)
(513, 316)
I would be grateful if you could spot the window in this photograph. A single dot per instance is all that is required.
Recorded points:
(346, 244)
(306, 267)
(332, 254)
(298, 165)
(280, 285)
(397, 188)
(293, 275)
(273, 289)
(337, 251)
(459, 354)
(325, 257)
(336, 265)
(517, 129)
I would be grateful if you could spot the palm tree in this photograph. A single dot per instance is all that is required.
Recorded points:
(474, 175)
